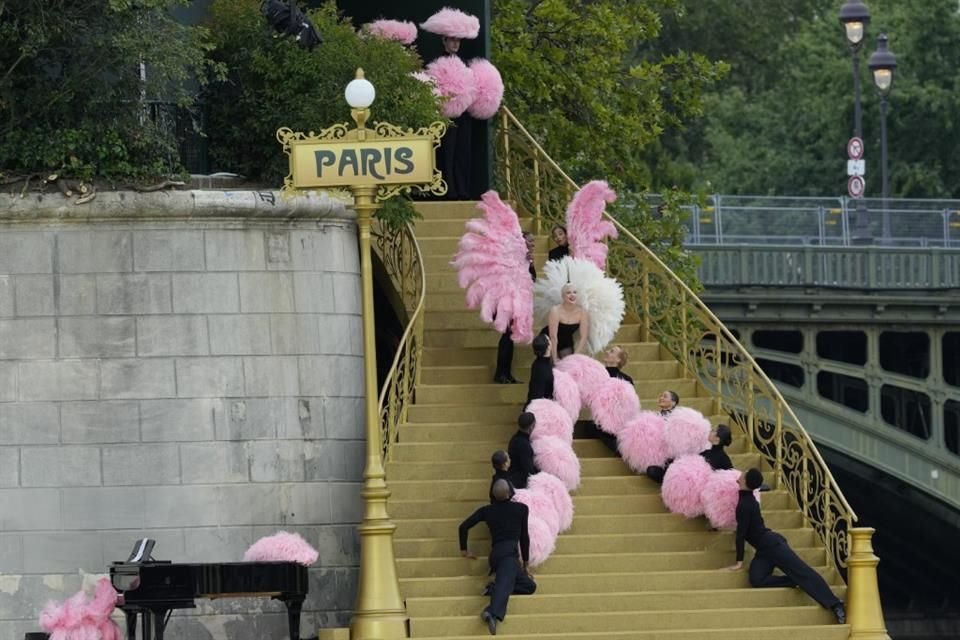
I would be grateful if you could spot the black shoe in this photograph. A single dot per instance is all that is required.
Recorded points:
(487, 590)
(839, 613)
(513, 380)
(501, 379)
(491, 621)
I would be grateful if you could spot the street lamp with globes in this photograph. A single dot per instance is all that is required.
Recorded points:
(855, 17)
(883, 63)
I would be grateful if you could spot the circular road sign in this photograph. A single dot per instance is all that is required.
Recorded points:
(855, 148)
(856, 186)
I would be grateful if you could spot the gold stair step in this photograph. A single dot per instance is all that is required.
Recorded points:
(742, 617)
(485, 353)
(508, 412)
(483, 373)
(481, 450)
(587, 524)
(476, 489)
(469, 605)
(793, 632)
(570, 543)
(517, 393)
(446, 209)
(689, 581)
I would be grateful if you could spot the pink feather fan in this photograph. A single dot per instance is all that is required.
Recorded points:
(720, 496)
(81, 619)
(452, 23)
(683, 484)
(553, 421)
(401, 31)
(540, 505)
(686, 431)
(567, 394)
(585, 371)
(640, 442)
(542, 540)
(492, 266)
(547, 484)
(614, 403)
(586, 227)
(455, 81)
(489, 89)
(282, 546)
(556, 457)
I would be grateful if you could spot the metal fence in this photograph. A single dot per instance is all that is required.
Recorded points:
(772, 220)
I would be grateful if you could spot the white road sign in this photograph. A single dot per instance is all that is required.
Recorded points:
(856, 186)
(856, 167)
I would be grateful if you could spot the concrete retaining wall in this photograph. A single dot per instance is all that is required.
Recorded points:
(185, 366)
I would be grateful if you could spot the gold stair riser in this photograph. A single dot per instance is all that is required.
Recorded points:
(603, 602)
(623, 621)
(504, 413)
(640, 372)
(486, 355)
(558, 583)
(583, 505)
(474, 489)
(517, 393)
(569, 543)
(608, 524)
(479, 469)
(779, 632)
(446, 209)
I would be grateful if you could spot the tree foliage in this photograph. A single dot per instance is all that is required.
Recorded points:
(273, 83)
(780, 124)
(76, 79)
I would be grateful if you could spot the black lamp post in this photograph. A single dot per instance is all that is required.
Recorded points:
(882, 64)
(855, 17)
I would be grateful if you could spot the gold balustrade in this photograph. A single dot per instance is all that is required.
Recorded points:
(402, 263)
(671, 314)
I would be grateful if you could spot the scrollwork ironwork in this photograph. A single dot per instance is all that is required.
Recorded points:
(670, 313)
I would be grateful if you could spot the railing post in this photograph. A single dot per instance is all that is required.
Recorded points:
(778, 440)
(537, 213)
(864, 611)
(683, 332)
(505, 132)
(645, 305)
(751, 415)
(805, 498)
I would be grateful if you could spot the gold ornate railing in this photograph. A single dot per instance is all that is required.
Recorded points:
(402, 263)
(670, 313)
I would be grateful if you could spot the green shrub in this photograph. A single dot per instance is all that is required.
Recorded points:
(273, 83)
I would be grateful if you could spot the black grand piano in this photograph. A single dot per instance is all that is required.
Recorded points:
(152, 589)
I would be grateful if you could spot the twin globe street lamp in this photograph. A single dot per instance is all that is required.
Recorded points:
(855, 17)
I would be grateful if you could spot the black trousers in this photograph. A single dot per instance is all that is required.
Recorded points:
(505, 562)
(777, 554)
(504, 355)
(456, 157)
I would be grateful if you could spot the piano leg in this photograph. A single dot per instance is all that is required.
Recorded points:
(294, 605)
(131, 624)
(159, 622)
(146, 617)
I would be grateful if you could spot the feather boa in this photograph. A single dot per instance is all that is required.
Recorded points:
(553, 421)
(600, 296)
(683, 485)
(686, 432)
(489, 89)
(492, 266)
(586, 228)
(452, 23)
(399, 30)
(455, 81)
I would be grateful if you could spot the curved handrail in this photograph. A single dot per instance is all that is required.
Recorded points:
(671, 313)
(400, 255)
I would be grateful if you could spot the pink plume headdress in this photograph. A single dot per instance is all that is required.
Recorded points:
(455, 81)
(586, 228)
(400, 30)
(282, 546)
(452, 23)
(492, 266)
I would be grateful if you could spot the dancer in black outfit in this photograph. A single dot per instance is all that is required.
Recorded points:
(503, 374)
(720, 438)
(520, 451)
(541, 371)
(615, 359)
(501, 471)
(773, 552)
(507, 522)
(559, 252)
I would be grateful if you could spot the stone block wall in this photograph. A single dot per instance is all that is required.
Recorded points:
(195, 379)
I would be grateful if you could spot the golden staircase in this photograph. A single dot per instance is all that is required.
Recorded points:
(627, 568)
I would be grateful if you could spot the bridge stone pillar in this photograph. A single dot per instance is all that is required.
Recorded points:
(185, 366)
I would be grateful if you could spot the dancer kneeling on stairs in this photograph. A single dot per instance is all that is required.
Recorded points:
(507, 522)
